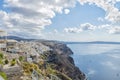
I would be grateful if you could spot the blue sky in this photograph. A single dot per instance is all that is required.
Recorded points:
(78, 15)
(67, 20)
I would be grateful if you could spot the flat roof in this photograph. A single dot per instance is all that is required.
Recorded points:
(8, 40)
(3, 33)
(11, 40)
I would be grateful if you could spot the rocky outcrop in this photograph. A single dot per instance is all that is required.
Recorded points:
(60, 57)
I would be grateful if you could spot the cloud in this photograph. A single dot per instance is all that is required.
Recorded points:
(114, 30)
(81, 28)
(55, 31)
(108, 28)
(66, 11)
(113, 16)
(112, 13)
(100, 19)
(104, 26)
(87, 26)
(73, 30)
(29, 17)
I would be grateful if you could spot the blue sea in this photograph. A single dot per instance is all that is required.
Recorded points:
(97, 61)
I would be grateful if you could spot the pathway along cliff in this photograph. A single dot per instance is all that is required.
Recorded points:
(60, 57)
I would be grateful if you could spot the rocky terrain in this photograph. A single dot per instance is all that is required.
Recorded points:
(48, 60)
(60, 57)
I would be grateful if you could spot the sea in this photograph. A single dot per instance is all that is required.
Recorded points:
(97, 61)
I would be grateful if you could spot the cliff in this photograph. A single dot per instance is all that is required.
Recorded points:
(60, 57)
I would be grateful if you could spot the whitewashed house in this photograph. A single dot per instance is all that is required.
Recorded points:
(3, 40)
(6, 44)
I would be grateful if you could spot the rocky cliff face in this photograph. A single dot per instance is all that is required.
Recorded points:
(60, 57)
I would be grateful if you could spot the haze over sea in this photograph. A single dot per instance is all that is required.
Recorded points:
(97, 61)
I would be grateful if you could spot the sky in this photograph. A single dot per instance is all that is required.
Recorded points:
(63, 20)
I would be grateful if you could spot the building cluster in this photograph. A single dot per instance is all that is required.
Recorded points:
(6, 44)
(30, 50)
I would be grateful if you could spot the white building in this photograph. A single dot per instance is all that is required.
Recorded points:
(6, 44)
(3, 39)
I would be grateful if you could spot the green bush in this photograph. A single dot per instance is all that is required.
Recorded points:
(3, 75)
(1, 62)
(6, 61)
(14, 59)
(1, 56)
(21, 58)
(13, 62)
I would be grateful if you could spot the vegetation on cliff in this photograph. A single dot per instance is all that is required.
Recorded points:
(3, 75)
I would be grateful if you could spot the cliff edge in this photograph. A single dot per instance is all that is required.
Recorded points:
(60, 57)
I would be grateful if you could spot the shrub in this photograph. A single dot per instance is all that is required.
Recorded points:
(1, 56)
(21, 58)
(1, 62)
(14, 59)
(3, 75)
(13, 62)
(6, 61)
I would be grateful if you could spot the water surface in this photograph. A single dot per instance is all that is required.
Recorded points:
(98, 61)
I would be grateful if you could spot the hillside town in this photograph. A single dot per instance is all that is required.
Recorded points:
(14, 50)
(36, 60)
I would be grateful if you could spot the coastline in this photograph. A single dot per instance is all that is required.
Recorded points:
(51, 58)
(64, 52)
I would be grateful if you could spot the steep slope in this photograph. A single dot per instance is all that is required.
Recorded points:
(60, 57)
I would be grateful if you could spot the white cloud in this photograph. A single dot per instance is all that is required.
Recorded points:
(29, 17)
(112, 13)
(73, 30)
(113, 16)
(66, 11)
(104, 26)
(55, 31)
(82, 27)
(87, 26)
(108, 28)
(114, 30)
(100, 19)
